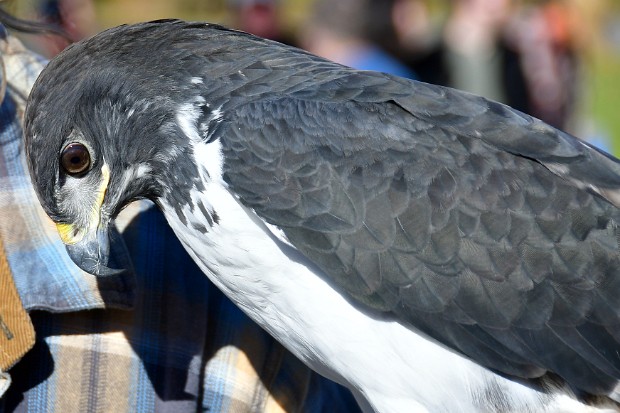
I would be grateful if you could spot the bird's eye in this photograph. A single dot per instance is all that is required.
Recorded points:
(75, 158)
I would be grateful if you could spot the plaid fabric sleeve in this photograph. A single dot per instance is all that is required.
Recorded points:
(183, 348)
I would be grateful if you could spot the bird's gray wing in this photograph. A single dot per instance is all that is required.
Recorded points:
(469, 221)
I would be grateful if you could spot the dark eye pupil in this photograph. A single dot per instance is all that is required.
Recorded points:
(75, 158)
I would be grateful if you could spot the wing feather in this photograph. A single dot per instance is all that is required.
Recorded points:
(464, 219)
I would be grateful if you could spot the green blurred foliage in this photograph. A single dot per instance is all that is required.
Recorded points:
(113, 12)
(603, 82)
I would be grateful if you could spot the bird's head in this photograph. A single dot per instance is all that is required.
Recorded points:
(102, 131)
(88, 159)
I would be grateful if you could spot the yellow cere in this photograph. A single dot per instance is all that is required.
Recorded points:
(66, 232)
(69, 233)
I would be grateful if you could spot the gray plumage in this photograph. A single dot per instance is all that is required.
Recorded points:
(476, 224)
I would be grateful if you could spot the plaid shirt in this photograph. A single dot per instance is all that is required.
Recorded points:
(158, 339)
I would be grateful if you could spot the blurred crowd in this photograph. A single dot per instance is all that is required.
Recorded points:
(522, 56)
(522, 53)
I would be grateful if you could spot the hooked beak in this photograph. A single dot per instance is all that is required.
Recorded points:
(89, 247)
(92, 253)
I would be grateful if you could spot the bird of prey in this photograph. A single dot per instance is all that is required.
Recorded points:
(429, 249)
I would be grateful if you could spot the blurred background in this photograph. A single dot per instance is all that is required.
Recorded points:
(558, 60)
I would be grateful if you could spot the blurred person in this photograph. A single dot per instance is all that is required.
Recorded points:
(261, 18)
(157, 338)
(346, 32)
(549, 62)
(494, 49)
(416, 40)
(479, 56)
(77, 18)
